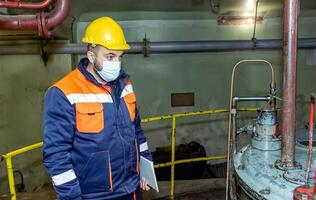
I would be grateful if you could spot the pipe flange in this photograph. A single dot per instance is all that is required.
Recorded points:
(287, 165)
(296, 176)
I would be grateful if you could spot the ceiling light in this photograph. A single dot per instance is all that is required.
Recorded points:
(238, 20)
(251, 4)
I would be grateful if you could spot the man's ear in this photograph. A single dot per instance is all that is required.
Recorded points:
(90, 56)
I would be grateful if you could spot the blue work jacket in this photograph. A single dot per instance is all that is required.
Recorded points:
(92, 136)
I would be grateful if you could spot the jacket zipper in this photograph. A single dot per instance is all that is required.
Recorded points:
(116, 107)
(137, 157)
(110, 174)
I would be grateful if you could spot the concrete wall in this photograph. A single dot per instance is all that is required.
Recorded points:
(25, 78)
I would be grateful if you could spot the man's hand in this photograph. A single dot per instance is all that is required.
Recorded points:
(143, 184)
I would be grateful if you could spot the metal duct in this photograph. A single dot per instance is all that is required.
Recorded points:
(158, 47)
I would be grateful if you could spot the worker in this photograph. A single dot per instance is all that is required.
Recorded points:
(93, 138)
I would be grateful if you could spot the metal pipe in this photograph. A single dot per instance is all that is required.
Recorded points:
(22, 150)
(249, 98)
(233, 146)
(158, 47)
(173, 156)
(25, 5)
(10, 178)
(289, 82)
(59, 14)
(43, 22)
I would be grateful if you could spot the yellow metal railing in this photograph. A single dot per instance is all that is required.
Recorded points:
(173, 141)
(8, 157)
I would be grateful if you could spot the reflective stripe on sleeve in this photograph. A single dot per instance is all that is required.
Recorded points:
(64, 177)
(143, 147)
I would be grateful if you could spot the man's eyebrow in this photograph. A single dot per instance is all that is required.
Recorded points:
(112, 54)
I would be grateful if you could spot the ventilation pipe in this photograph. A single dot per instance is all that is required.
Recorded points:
(43, 22)
(157, 47)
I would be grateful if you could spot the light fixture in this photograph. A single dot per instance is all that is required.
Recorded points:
(238, 20)
(248, 16)
(250, 5)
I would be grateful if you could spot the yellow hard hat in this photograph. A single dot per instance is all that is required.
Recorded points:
(106, 32)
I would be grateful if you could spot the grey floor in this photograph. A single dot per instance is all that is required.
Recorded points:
(202, 189)
(218, 194)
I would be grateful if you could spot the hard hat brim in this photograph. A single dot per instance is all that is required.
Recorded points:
(117, 47)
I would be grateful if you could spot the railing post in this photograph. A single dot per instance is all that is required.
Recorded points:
(10, 178)
(173, 152)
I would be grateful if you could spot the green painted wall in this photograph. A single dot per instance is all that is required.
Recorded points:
(23, 81)
(25, 78)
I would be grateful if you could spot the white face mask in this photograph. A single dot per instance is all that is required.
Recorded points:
(110, 70)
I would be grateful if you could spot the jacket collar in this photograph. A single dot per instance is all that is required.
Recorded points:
(116, 85)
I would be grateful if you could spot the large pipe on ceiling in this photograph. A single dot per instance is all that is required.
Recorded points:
(157, 47)
(289, 83)
(25, 5)
(43, 22)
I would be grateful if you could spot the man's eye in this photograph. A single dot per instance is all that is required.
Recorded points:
(110, 57)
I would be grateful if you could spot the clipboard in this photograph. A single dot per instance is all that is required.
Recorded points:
(147, 171)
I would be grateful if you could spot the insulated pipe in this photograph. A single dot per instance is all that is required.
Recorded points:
(25, 5)
(289, 83)
(43, 22)
(157, 47)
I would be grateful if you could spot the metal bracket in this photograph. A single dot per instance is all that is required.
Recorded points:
(145, 47)
(254, 41)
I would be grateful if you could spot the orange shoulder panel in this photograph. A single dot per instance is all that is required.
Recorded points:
(76, 82)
